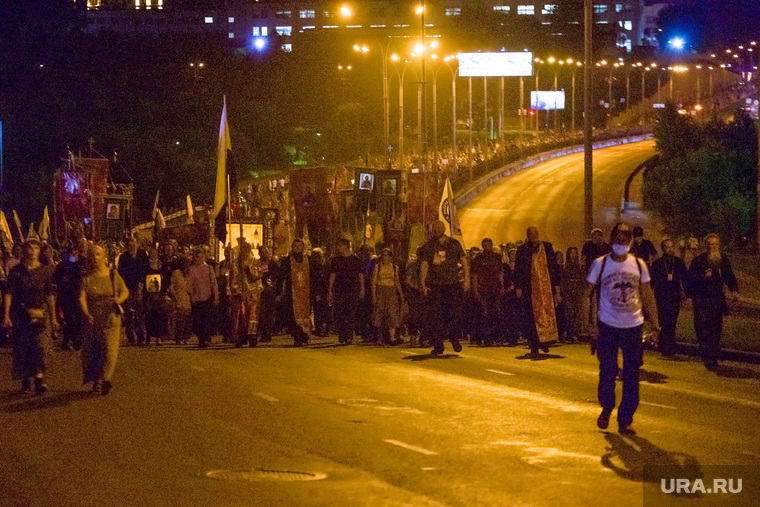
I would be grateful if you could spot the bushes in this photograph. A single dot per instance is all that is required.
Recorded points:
(704, 178)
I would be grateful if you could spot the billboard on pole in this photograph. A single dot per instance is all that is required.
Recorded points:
(495, 64)
(547, 100)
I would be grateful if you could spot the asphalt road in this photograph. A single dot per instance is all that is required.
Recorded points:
(387, 426)
(550, 197)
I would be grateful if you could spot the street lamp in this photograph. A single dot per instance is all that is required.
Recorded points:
(551, 61)
(537, 61)
(400, 75)
(342, 70)
(386, 96)
(447, 61)
(572, 87)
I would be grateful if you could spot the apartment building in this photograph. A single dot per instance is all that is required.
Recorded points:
(253, 25)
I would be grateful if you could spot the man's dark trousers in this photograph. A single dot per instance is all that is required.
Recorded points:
(629, 341)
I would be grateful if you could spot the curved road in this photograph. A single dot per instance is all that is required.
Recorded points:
(550, 196)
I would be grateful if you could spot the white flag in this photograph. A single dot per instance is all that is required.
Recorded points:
(44, 229)
(447, 213)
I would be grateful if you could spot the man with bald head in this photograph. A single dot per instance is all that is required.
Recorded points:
(444, 293)
(537, 280)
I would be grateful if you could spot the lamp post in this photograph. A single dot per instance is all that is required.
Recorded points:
(396, 58)
(572, 87)
(342, 69)
(537, 61)
(588, 161)
(447, 62)
(552, 61)
(386, 95)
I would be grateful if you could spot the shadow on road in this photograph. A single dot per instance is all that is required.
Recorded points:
(540, 357)
(425, 357)
(652, 377)
(628, 456)
(736, 372)
(43, 402)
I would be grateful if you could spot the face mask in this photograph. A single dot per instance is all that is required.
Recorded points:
(621, 250)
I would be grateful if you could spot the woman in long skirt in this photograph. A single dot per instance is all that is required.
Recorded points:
(102, 294)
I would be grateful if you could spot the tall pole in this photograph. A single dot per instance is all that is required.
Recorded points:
(501, 109)
(521, 110)
(469, 153)
(435, 119)
(423, 112)
(659, 85)
(454, 114)
(588, 203)
(556, 111)
(386, 111)
(572, 119)
(757, 192)
(401, 119)
(627, 88)
(536, 112)
(485, 102)
(643, 73)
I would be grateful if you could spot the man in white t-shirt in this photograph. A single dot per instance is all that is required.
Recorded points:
(625, 296)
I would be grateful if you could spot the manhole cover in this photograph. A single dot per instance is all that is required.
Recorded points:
(258, 474)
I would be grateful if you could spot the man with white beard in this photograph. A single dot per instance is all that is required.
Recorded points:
(708, 273)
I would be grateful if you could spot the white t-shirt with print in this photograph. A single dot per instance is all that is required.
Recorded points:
(620, 301)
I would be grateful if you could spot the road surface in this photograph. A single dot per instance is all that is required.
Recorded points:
(550, 196)
(386, 426)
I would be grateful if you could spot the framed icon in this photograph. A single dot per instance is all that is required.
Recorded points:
(366, 181)
(389, 187)
(153, 283)
(113, 211)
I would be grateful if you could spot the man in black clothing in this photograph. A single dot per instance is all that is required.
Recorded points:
(67, 277)
(487, 291)
(133, 266)
(708, 274)
(643, 248)
(345, 289)
(594, 249)
(268, 308)
(668, 275)
(319, 274)
(439, 280)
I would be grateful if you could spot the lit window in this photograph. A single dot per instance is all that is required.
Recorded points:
(549, 9)
(260, 31)
(282, 14)
(148, 4)
(330, 26)
(618, 7)
(628, 25)
(137, 4)
(501, 8)
(230, 20)
(601, 22)
(377, 26)
(231, 35)
(307, 13)
(526, 10)
(283, 30)
(287, 47)
(308, 27)
(209, 19)
(328, 14)
(600, 8)
(453, 11)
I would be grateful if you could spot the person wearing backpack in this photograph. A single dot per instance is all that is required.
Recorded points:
(625, 298)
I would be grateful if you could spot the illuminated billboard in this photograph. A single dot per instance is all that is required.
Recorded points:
(495, 64)
(547, 100)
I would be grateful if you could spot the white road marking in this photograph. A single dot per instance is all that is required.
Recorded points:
(427, 469)
(266, 397)
(370, 403)
(501, 372)
(411, 447)
(543, 454)
(657, 405)
(409, 352)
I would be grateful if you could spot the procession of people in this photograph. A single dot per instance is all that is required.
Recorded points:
(496, 296)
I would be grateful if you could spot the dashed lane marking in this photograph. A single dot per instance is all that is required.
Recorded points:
(501, 372)
(657, 405)
(411, 447)
(266, 397)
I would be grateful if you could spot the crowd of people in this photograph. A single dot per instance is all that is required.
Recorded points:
(491, 296)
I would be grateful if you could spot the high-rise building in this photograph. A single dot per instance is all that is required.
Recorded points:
(254, 24)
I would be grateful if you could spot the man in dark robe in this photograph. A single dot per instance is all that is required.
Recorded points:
(537, 286)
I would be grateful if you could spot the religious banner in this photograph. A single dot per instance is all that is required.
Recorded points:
(429, 197)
